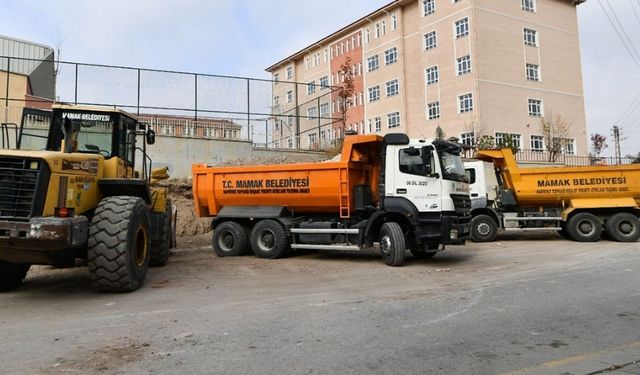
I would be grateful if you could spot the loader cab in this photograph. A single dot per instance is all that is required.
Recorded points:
(108, 132)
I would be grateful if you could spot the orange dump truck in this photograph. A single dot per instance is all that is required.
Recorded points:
(580, 202)
(390, 193)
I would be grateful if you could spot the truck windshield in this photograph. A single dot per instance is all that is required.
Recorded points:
(452, 166)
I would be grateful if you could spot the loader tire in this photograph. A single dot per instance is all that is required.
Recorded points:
(623, 227)
(483, 228)
(118, 254)
(392, 244)
(160, 249)
(230, 239)
(269, 239)
(12, 274)
(584, 227)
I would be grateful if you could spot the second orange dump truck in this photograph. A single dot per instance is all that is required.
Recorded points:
(390, 193)
(580, 202)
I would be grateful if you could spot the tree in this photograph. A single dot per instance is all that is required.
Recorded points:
(348, 86)
(555, 130)
(598, 144)
(486, 142)
(635, 159)
(440, 134)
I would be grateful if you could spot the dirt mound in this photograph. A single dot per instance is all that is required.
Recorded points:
(181, 195)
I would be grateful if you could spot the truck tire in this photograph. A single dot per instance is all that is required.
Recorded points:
(269, 239)
(230, 239)
(623, 227)
(118, 254)
(12, 274)
(160, 249)
(392, 245)
(584, 227)
(483, 228)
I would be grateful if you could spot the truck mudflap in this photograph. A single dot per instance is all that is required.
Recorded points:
(44, 233)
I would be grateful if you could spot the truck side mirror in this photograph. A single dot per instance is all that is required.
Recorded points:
(427, 153)
(151, 137)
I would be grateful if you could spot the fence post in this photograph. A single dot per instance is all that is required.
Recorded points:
(196, 98)
(75, 84)
(138, 91)
(6, 96)
(249, 130)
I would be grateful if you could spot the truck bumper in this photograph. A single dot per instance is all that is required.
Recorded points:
(455, 230)
(21, 242)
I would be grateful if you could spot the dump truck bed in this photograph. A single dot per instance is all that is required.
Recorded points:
(323, 187)
(553, 185)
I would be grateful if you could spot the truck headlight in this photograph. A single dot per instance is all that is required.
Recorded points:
(453, 234)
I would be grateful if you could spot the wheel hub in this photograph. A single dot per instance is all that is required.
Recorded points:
(586, 227)
(267, 240)
(483, 229)
(385, 245)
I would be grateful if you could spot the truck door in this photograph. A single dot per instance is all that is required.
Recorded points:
(410, 175)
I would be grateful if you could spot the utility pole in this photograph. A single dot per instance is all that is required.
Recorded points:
(616, 140)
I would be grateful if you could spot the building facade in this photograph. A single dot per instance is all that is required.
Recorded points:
(472, 67)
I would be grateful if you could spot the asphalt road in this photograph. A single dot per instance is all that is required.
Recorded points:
(516, 306)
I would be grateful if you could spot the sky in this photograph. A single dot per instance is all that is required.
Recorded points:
(242, 38)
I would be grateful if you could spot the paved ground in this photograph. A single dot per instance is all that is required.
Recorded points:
(518, 307)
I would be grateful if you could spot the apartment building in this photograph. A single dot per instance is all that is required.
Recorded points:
(471, 67)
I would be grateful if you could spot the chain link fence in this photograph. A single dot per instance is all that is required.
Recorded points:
(177, 104)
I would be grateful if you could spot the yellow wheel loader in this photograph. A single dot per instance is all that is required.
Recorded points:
(85, 196)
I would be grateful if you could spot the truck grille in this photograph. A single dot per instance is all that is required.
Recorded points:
(462, 203)
(19, 181)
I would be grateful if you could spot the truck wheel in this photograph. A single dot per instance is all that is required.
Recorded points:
(623, 227)
(584, 227)
(269, 239)
(229, 239)
(12, 274)
(483, 228)
(392, 244)
(118, 254)
(160, 249)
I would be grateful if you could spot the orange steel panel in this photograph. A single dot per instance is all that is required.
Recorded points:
(551, 185)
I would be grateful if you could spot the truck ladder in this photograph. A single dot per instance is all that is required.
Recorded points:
(345, 207)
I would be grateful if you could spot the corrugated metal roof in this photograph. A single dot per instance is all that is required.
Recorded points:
(32, 53)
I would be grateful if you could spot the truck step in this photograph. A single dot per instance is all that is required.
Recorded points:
(325, 247)
(324, 231)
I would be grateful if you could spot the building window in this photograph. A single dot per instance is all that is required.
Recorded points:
(289, 143)
(430, 40)
(276, 101)
(464, 65)
(537, 143)
(529, 5)
(428, 7)
(390, 56)
(311, 88)
(468, 139)
(313, 138)
(462, 27)
(508, 139)
(289, 72)
(324, 82)
(433, 110)
(566, 145)
(394, 22)
(533, 72)
(324, 110)
(312, 113)
(531, 37)
(374, 93)
(276, 78)
(373, 63)
(393, 87)
(393, 119)
(377, 123)
(367, 36)
(289, 96)
(432, 75)
(535, 107)
(465, 103)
